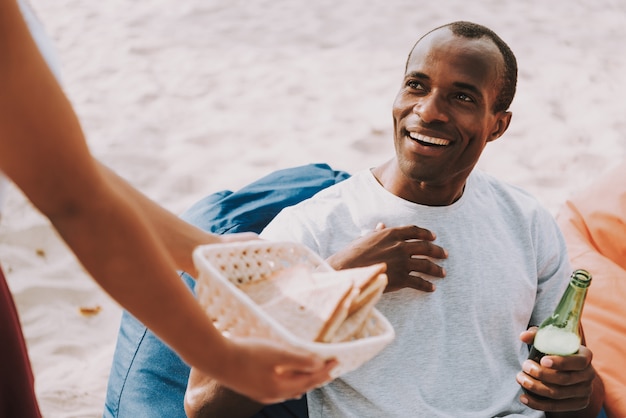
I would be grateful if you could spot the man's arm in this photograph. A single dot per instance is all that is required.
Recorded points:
(206, 398)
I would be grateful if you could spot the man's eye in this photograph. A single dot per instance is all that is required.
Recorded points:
(414, 84)
(465, 98)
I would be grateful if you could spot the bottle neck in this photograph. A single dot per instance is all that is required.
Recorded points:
(568, 311)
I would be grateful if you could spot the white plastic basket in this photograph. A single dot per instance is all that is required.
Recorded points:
(223, 266)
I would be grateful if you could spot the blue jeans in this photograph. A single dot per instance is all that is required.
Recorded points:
(147, 378)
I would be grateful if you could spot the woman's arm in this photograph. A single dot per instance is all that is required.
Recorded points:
(179, 237)
(43, 151)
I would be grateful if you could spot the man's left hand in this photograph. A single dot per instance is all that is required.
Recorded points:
(561, 383)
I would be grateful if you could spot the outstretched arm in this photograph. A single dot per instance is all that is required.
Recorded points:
(179, 237)
(43, 150)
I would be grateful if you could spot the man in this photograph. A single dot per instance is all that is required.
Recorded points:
(130, 246)
(472, 262)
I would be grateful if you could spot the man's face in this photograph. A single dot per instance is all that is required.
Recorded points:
(443, 112)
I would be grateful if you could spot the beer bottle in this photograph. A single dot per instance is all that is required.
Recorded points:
(560, 333)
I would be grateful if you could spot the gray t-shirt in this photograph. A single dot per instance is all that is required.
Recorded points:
(457, 350)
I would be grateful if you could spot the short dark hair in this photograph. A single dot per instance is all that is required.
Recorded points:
(475, 31)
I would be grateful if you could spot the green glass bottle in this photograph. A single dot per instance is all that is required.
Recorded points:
(559, 334)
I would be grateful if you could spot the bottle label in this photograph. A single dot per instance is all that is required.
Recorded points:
(556, 341)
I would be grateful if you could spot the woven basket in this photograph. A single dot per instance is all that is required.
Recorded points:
(224, 266)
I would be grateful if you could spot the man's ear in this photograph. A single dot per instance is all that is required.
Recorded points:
(502, 123)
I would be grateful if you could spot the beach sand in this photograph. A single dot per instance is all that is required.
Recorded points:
(185, 98)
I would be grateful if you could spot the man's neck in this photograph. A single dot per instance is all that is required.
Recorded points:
(424, 193)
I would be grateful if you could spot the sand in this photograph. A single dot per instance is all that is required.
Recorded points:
(185, 98)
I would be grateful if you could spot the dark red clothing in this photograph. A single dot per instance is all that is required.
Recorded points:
(17, 391)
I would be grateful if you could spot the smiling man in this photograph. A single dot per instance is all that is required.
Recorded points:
(472, 262)
(448, 108)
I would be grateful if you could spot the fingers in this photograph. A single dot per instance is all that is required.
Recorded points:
(312, 376)
(562, 371)
(552, 405)
(409, 252)
(412, 259)
(426, 266)
(418, 283)
(305, 364)
(269, 371)
(528, 336)
(281, 360)
(299, 362)
(547, 399)
(552, 397)
(416, 280)
(576, 362)
(297, 368)
(559, 383)
(300, 382)
(412, 232)
(425, 250)
(422, 269)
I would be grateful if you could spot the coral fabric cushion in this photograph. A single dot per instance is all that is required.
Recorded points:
(594, 225)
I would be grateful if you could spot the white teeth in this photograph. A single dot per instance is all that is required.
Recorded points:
(428, 139)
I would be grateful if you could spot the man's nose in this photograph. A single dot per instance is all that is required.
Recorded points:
(431, 108)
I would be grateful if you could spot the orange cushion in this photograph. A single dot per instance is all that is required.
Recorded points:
(594, 225)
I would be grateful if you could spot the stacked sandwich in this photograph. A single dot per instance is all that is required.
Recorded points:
(331, 306)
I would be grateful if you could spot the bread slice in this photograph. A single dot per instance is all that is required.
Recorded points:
(357, 320)
(310, 307)
(365, 279)
(324, 306)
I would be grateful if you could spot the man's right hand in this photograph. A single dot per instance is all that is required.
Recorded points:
(409, 252)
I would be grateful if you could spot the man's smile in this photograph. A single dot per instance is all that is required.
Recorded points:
(429, 140)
